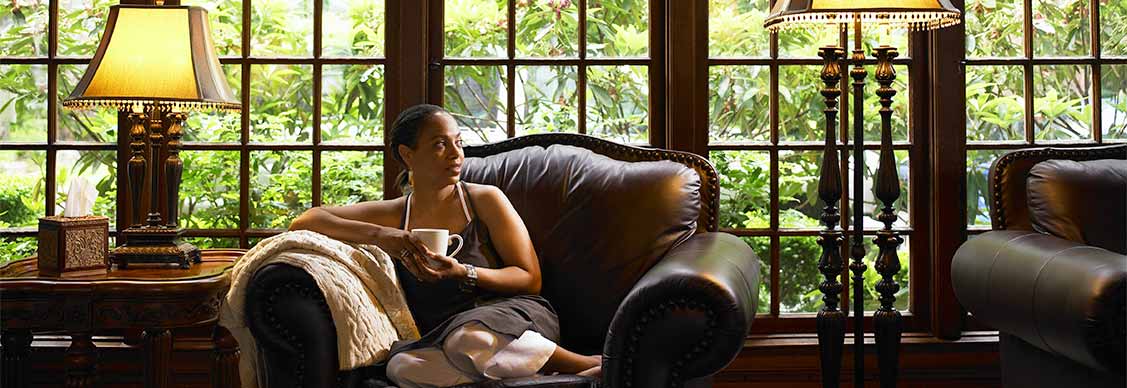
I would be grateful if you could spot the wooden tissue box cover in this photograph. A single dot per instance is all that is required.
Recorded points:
(72, 243)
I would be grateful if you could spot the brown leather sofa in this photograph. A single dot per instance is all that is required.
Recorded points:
(1052, 275)
(630, 258)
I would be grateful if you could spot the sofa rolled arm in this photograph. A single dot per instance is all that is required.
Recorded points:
(687, 317)
(1063, 297)
(287, 314)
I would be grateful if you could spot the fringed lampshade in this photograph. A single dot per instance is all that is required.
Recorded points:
(910, 14)
(154, 56)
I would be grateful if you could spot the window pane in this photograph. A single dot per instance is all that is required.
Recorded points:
(804, 43)
(978, 185)
(1061, 28)
(281, 28)
(209, 190)
(23, 103)
(281, 109)
(872, 205)
(352, 103)
(618, 103)
(995, 28)
(23, 28)
(546, 99)
(81, 23)
(762, 248)
(547, 28)
(217, 126)
(353, 28)
(735, 28)
(99, 168)
(799, 205)
(213, 242)
(1113, 28)
(476, 28)
(995, 103)
(22, 188)
(872, 297)
(351, 176)
(280, 187)
(801, 104)
(16, 248)
(1114, 101)
(738, 104)
(226, 19)
(98, 125)
(618, 28)
(1061, 102)
(476, 97)
(798, 275)
(745, 184)
(881, 35)
(899, 106)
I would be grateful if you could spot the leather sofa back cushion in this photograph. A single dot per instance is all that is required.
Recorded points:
(598, 224)
(1083, 201)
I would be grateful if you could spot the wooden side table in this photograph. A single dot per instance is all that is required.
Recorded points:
(84, 303)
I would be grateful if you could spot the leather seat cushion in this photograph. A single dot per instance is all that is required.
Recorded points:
(598, 224)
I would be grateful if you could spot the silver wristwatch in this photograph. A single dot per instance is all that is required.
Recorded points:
(470, 283)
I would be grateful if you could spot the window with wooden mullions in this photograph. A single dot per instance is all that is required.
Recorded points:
(766, 133)
(309, 74)
(1056, 74)
(510, 68)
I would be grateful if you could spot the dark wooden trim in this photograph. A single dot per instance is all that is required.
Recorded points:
(658, 99)
(789, 61)
(797, 232)
(792, 361)
(244, 131)
(304, 60)
(1044, 61)
(795, 146)
(687, 76)
(318, 12)
(948, 158)
(581, 77)
(546, 61)
(407, 68)
(511, 70)
(919, 181)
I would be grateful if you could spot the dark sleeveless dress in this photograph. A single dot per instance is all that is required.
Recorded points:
(441, 307)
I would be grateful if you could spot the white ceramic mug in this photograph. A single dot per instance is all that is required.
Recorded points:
(438, 240)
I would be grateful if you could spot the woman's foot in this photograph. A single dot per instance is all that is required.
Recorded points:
(596, 368)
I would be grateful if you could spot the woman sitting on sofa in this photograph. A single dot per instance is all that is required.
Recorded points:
(479, 311)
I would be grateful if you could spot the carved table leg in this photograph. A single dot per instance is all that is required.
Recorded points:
(158, 350)
(225, 367)
(80, 361)
(17, 345)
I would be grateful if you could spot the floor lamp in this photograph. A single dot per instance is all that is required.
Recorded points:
(911, 14)
(157, 63)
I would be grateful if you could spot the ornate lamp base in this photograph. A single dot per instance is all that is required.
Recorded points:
(154, 245)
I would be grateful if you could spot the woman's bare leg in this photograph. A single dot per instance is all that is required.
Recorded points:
(566, 361)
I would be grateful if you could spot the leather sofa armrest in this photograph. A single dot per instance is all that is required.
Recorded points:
(1060, 296)
(294, 331)
(685, 318)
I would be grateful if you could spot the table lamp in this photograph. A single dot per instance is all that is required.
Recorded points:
(157, 63)
(911, 14)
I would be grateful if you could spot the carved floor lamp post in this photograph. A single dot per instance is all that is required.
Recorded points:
(157, 63)
(914, 15)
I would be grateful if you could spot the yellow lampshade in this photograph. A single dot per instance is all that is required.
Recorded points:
(154, 55)
(911, 14)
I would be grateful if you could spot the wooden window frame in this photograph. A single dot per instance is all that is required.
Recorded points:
(437, 62)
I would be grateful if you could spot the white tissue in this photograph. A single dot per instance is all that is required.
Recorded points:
(80, 198)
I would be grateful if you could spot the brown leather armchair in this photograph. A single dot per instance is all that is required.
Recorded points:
(630, 259)
(1052, 275)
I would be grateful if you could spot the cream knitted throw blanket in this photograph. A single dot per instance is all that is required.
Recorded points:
(360, 287)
